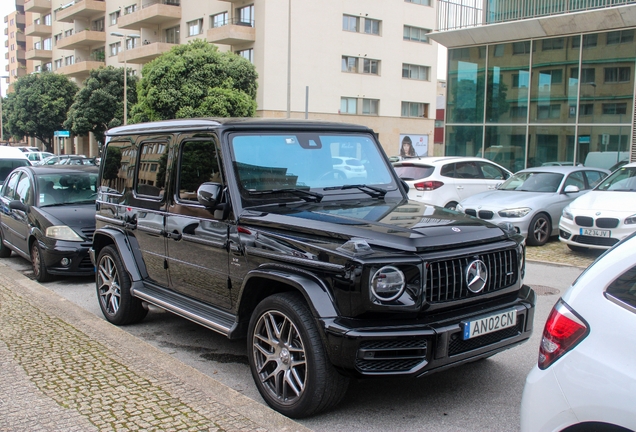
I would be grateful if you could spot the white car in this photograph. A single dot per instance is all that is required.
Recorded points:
(586, 373)
(351, 167)
(604, 216)
(445, 181)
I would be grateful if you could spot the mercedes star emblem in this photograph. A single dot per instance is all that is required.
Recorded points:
(476, 276)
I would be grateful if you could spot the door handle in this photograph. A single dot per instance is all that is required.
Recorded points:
(172, 235)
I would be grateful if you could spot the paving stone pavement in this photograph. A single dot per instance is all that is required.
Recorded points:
(64, 369)
(557, 252)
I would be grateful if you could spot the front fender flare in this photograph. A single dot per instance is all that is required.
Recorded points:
(104, 237)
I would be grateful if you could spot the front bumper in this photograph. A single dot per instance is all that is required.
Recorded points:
(571, 234)
(76, 253)
(414, 348)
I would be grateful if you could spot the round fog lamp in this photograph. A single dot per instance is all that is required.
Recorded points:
(387, 284)
(65, 262)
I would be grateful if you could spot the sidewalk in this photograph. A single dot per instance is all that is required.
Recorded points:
(64, 369)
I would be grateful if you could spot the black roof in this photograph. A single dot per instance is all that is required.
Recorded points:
(60, 169)
(247, 123)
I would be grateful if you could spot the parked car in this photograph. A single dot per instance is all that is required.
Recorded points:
(585, 376)
(57, 159)
(350, 167)
(445, 181)
(533, 199)
(48, 217)
(28, 149)
(604, 216)
(76, 161)
(243, 226)
(11, 158)
(37, 156)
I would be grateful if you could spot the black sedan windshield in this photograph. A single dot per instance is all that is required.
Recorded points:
(61, 189)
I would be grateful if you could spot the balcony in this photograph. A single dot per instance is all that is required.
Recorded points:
(235, 33)
(39, 54)
(150, 15)
(83, 9)
(38, 6)
(145, 53)
(80, 70)
(20, 37)
(20, 21)
(83, 39)
(39, 30)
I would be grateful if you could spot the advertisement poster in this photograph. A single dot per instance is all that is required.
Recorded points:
(413, 145)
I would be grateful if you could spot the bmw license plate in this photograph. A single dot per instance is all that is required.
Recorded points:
(489, 324)
(596, 233)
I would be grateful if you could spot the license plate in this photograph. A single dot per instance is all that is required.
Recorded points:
(489, 324)
(595, 232)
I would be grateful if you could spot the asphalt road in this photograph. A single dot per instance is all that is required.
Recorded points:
(481, 396)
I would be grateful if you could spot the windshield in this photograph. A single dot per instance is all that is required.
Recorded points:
(310, 162)
(62, 189)
(533, 182)
(623, 180)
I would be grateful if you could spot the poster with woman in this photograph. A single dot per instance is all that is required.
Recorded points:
(413, 145)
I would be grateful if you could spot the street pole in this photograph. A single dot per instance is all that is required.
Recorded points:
(1, 119)
(125, 38)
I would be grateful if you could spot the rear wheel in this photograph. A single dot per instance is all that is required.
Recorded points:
(539, 230)
(37, 263)
(288, 360)
(113, 290)
(451, 205)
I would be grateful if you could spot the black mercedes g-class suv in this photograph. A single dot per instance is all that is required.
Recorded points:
(299, 236)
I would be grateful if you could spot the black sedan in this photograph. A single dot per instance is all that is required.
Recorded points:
(48, 217)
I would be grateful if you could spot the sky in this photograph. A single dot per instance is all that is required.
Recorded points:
(6, 7)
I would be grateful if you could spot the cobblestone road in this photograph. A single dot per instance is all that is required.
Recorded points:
(556, 252)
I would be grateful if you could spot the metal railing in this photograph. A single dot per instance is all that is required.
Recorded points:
(456, 14)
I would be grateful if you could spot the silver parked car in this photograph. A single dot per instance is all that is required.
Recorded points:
(533, 199)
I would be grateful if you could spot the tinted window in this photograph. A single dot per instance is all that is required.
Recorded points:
(151, 172)
(467, 170)
(198, 164)
(118, 161)
(448, 170)
(8, 165)
(576, 179)
(594, 177)
(24, 190)
(624, 288)
(491, 171)
(9, 188)
(410, 172)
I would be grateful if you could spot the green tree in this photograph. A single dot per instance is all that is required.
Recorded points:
(99, 105)
(196, 80)
(39, 106)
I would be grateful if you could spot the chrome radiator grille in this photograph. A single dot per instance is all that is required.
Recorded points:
(446, 280)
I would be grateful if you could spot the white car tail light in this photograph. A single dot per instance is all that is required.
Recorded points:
(428, 185)
(563, 331)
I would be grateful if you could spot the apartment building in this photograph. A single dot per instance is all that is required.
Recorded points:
(540, 81)
(359, 61)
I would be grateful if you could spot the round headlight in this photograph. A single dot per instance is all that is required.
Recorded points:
(388, 283)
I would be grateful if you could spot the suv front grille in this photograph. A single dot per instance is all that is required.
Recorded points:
(446, 280)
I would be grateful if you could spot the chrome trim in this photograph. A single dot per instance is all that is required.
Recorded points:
(620, 302)
(113, 221)
(303, 261)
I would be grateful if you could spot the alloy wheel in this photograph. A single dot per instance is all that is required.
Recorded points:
(108, 285)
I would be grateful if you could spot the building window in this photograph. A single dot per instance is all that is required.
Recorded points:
(372, 26)
(414, 109)
(69, 60)
(68, 33)
(552, 44)
(130, 9)
(98, 25)
(219, 20)
(618, 74)
(172, 35)
(586, 109)
(246, 15)
(614, 108)
(47, 44)
(47, 19)
(247, 53)
(622, 36)
(112, 18)
(416, 72)
(370, 106)
(589, 41)
(37, 45)
(521, 47)
(57, 38)
(349, 64)
(519, 111)
(115, 48)
(131, 43)
(419, 2)
(348, 105)
(498, 50)
(521, 79)
(350, 23)
(549, 111)
(416, 34)
(553, 76)
(588, 75)
(58, 64)
(195, 27)
(371, 67)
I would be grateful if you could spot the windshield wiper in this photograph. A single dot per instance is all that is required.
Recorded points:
(304, 194)
(375, 192)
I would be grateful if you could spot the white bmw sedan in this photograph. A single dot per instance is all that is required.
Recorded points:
(585, 378)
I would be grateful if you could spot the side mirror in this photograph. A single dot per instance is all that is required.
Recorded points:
(571, 189)
(17, 205)
(208, 194)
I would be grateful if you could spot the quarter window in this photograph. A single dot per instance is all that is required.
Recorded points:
(623, 289)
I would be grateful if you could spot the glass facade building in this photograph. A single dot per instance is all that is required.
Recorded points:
(555, 100)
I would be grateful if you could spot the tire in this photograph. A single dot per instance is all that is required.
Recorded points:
(539, 230)
(113, 290)
(288, 361)
(577, 248)
(451, 205)
(5, 252)
(37, 263)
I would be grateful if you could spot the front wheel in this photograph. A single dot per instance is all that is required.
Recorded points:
(451, 205)
(539, 230)
(37, 263)
(113, 290)
(288, 360)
